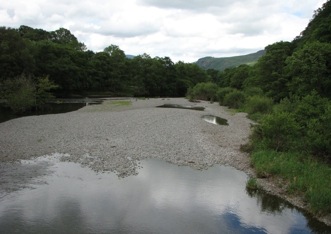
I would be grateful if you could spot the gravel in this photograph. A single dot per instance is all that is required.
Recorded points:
(111, 137)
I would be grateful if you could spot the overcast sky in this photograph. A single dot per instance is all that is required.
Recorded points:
(183, 30)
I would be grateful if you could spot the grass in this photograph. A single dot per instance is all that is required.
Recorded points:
(305, 176)
(252, 184)
(121, 103)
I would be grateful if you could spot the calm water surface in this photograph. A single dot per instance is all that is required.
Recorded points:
(215, 120)
(6, 114)
(162, 198)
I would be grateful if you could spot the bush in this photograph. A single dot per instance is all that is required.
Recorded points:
(253, 91)
(278, 131)
(221, 94)
(19, 93)
(318, 136)
(22, 93)
(258, 104)
(234, 99)
(203, 91)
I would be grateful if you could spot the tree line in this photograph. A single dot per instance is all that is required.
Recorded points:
(58, 55)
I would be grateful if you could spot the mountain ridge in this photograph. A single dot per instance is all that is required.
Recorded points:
(227, 62)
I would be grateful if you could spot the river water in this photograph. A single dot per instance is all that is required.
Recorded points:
(63, 197)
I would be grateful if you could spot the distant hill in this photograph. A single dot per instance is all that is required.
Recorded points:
(223, 63)
(129, 56)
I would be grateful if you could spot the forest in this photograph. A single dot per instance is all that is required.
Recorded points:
(287, 92)
(31, 54)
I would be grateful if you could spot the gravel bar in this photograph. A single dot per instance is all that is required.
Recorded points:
(110, 137)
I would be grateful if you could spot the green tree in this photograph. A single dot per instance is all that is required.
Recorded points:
(15, 56)
(240, 74)
(32, 34)
(204, 91)
(19, 93)
(65, 37)
(310, 69)
(270, 74)
(43, 90)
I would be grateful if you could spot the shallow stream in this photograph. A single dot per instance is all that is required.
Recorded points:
(63, 197)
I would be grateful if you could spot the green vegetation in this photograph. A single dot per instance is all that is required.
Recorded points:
(203, 91)
(78, 72)
(121, 103)
(221, 64)
(234, 99)
(288, 93)
(305, 176)
(252, 184)
(256, 106)
(23, 93)
(109, 105)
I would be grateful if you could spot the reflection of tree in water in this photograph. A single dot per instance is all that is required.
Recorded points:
(267, 202)
(273, 204)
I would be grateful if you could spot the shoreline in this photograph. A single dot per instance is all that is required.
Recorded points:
(115, 138)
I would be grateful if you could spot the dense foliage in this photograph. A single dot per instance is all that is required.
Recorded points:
(288, 91)
(75, 70)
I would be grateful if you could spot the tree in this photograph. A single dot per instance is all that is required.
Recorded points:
(203, 91)
(63, 36)
(15, 57)
(32, 34)
(310, 69)
(270, 73)
(43, 88)
(19, 93)
(240, 74)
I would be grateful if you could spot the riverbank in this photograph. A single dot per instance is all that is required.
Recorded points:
(115, 137)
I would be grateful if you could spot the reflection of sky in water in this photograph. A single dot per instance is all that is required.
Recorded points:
(215, 120)
(163, 198)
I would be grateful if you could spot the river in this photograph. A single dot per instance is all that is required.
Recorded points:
(64, 197)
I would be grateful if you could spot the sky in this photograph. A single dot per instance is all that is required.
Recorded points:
(180, 29)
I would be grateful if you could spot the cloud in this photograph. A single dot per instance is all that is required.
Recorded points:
(182, 30)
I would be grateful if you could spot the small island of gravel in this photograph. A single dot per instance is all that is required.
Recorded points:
(110, 137)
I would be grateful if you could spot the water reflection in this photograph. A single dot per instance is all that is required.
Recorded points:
(162, 198)
(198, 108)
(215, 120)
(52, 108)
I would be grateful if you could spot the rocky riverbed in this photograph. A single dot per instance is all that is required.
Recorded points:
(114, 137)
(111, 137)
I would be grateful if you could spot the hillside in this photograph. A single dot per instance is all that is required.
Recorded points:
(226, 62)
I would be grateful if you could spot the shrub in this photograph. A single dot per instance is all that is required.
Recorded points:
(19, 93)
(221, 94)
(252, 184)
(203, 91)
(258, 104)
(278, 131)
(318, 135)
(253, 91)
(234, 99)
